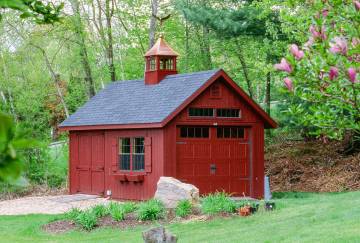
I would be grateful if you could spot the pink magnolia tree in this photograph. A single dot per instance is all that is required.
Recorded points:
(323, 73)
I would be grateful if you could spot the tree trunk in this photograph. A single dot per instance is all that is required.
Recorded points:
(152, 27)
(80, 34)
(187, 49)
(244, 68)
(110, 51)
(206, 48)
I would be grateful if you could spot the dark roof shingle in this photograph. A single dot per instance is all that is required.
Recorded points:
(133, 102)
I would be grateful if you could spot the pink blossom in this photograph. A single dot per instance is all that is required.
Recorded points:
(298, 54)
(288, 83)
(283, 66)
(325, 12)
(339, 45)
(314, 32)
(352, 75)
(357, 5)
(309, 43)
(333, 73)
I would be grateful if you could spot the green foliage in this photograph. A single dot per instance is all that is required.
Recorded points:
(42, 13)
(218, 202)
(100, 210)
(116, 211)
(227, 23)
(183, 208)
(87, 219)
(73, 214)
(46, 166)
(150, 210)
(11, 142)
(129, 207)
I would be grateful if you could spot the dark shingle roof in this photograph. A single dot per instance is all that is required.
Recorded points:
(133, 102)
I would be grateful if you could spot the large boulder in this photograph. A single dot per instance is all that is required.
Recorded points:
(158, 235)
(170, 191)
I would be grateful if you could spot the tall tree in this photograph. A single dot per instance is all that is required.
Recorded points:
(80, 35)
(152, 26)
(109, 13)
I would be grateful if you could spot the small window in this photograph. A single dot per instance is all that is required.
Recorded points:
(124, 153)
(194, 132)
(138, 162)
(230, 132)
(152, 63)
(131, 154)
(166, 64)
(202, 112)
(228, 113)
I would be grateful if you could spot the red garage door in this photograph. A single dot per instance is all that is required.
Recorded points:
(90, 167)
(214, 159)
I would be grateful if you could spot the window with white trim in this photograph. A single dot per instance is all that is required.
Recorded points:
(131, 154)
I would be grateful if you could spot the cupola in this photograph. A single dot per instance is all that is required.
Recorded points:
(160, 61)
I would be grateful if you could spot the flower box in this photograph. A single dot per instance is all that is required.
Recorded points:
(135, 178)
(120, 177)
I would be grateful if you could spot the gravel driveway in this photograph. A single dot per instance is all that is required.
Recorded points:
(48, 204)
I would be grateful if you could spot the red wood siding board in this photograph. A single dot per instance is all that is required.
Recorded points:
(73, 161)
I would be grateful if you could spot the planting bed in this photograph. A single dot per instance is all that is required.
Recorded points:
(130, 215)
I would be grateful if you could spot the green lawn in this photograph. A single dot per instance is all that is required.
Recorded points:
(299, 218)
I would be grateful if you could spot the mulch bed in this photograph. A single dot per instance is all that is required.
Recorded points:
(130, 221)
(312, 167)
(60, 226)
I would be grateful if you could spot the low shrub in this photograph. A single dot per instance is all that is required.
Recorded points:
(87, 219)
(73, 214)
(183, 208)
(150, 210)
(129, 207)
(100, 210)
(116, 211)
(218, 202)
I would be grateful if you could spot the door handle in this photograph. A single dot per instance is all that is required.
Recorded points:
(212, 169)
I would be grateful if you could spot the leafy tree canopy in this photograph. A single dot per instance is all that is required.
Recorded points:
(42, 13)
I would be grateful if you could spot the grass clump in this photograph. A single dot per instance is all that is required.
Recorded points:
(183, 208)
(87, 219)
(116, 211)
(73, 214)
(100, 210)
(150, 210)
(218, 202)
(129, 207)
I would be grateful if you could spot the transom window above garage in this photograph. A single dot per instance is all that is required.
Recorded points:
(230, 132)
(201, 112)
(228, 113)
(194, 132)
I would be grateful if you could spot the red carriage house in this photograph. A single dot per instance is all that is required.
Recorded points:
(200, 128)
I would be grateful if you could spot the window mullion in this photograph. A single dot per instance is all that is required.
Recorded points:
(131, 154)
